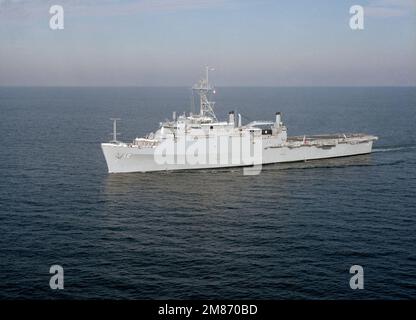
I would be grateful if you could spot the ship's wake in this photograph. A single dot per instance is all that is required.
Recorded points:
(394, 149)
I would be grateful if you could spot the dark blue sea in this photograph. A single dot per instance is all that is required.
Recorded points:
(292, 232)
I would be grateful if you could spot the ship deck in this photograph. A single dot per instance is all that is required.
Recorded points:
(337, 136)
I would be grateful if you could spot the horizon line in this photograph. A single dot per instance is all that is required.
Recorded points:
(220, 86)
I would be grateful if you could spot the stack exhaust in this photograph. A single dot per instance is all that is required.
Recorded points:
(231, 118)
(278, 119)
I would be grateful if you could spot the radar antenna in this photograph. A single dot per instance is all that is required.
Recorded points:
(204, 89)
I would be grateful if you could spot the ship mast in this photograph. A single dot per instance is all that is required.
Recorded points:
(204, 89)
(114, 133)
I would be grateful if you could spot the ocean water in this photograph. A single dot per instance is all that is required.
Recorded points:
(291, 232)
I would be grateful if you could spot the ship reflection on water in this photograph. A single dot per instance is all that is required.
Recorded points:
(213, 185)
(195, 231)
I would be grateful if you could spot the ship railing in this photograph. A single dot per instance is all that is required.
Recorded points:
(340, 136)
(329, 140)
(144, 143)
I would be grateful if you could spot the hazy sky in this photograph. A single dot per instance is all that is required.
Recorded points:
(258, 42)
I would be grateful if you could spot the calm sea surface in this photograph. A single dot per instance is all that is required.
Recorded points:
(291, 232)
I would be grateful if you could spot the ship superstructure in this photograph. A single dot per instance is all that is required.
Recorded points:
(198, 141)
